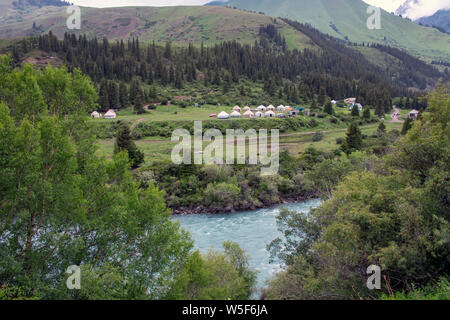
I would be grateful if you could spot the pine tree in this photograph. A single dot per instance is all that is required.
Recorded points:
(123, 95)
(407, 125)
(125, 142)
(103, 97)
(355, 111)
(379, 111)
(322, 96)
(328, 108)
(381, 128)
(353, 140)
(366, 113)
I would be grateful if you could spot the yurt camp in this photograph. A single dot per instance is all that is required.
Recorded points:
(95, 115)
(235, 114)
(110, 114)
(269, 114)
(248, 114)
(223, 115)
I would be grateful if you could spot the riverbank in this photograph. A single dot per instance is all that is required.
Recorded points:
(201, 209)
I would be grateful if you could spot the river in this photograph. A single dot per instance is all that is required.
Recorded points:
(252, 230)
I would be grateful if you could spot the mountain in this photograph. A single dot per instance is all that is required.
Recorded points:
(440, 20)
(347, 19)
(209, 24)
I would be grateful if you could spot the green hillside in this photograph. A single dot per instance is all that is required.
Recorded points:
(346, 19)
(178, 24)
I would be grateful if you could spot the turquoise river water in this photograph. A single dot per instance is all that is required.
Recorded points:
(252, 230)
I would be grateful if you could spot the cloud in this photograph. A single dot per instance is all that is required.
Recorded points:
(413, 9)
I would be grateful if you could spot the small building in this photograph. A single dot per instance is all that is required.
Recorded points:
(110, 114)
(270, 108)
(413, 115)
(281, 108)
(246, 108)
(261, 108)
(235, 114)
(237, 108)
(294, 112)
(269, 114)
(249, 114)
(259, 114)
(350, 100)
(223, 115)
(95, 115)
(358, 105)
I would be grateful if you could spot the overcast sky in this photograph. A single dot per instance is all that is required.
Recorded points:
(420, 8)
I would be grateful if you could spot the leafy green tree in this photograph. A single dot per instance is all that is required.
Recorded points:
(215, 276)
(61, 205)
(396, 217)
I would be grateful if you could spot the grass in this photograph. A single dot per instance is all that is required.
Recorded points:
(159, 148)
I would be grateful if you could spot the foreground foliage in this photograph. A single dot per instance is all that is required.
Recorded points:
(394, 215)
(61, 205)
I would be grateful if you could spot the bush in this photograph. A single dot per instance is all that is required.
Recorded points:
(318, 136)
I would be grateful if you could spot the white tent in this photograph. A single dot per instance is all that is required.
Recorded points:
(259, 114)
(95, 115)
(235, 114)
(261, 108)
(281, 108)
(249, 114)
(223, 115)
(269, 114)
(270, 108)
(110, 114)
(246, 108)
(237, 108)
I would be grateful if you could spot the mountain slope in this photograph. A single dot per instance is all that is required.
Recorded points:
(440, 19)
(177, 24)
(347, 19)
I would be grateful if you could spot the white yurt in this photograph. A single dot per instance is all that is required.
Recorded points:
(237, 108)
(246, 108)
(110, 114)
(261, 108)
(249, 114)
(281, 108)
(235, 114)
(287, 108)
(95, 115)
(259, 114)
(270, 108)
(223, 115)
(269, 114)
